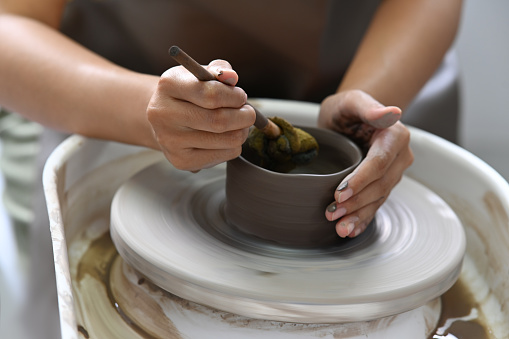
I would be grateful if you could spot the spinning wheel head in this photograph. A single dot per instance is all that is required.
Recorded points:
(171, 226)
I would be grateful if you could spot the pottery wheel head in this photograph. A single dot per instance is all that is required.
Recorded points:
(170, 225)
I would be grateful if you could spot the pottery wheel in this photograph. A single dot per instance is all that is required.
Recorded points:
(170, 226)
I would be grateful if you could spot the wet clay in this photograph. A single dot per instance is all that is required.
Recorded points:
(102, 263)
(497, 210)
(289, 208)
(486, 223)
(458, 303)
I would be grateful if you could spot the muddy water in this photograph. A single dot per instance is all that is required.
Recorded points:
(460, 316)
(113, 301)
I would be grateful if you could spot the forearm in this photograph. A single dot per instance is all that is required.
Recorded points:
(50, 79)
(403, 46)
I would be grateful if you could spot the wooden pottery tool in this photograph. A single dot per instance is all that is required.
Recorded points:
(280, 146)
(270, 129)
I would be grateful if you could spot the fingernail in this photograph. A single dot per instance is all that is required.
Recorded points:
(344, 182)
(338, 213)
(332, 207)
(342, 186)
(345, 195)
(229, 81)
(348, 227)
(388, 119)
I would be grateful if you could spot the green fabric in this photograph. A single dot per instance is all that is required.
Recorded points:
(20, 147)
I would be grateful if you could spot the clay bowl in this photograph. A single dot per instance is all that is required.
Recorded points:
(288, 209)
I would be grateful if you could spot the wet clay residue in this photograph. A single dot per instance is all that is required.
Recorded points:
(97, 260)
(486, 224)
(133, 298)
(496, 209)
(458, 305)
(83, 331)
(136, 304)
(101, 262)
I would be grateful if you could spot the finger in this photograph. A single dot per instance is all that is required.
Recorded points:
(356, 114)
(387, 145)
(371, 111)
(193, 139)
(193, 159)
(383, 117)
(353, 224)
(223, 72)
(377, 191)
(369, 120)
(192, 150)
(359, 229)
(217, 120)
(179, 83)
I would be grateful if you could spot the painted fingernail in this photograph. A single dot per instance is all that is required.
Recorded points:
(339, 213)
(342, 186)
(336, 212)
(332, 207)
(345, 195)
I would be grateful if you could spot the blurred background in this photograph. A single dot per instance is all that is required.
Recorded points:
(483, 51)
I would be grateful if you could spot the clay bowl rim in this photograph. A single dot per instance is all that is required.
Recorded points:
(355, 147)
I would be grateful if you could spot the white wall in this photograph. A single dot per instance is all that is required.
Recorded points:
(483, 48)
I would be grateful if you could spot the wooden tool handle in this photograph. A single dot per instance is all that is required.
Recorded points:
(270, 129)
(190, 64)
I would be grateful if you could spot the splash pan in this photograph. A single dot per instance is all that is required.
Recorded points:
(82, 176)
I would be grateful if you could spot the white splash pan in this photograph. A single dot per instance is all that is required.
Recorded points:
(476, 192)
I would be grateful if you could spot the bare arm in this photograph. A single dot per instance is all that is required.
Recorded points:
(403, 46)
(53, 80)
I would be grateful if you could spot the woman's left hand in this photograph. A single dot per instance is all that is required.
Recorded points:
(376, 129)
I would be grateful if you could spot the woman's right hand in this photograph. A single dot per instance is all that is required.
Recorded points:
(199, 124)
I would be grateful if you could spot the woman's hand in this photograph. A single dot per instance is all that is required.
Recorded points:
(199, 124)
(377, 130)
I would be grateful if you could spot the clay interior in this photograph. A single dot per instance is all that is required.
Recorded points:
(289, 208)
(336, 154)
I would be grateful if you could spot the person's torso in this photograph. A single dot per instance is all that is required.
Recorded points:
(287, 49)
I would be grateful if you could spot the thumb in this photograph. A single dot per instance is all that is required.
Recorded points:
(370, 111)
(383, 117)
(377, 115)
(223, 72)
